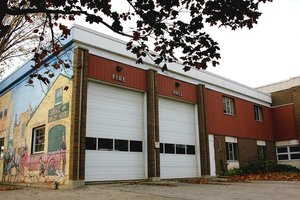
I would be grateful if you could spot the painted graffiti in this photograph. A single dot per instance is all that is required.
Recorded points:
(11, 169)
(18, 169)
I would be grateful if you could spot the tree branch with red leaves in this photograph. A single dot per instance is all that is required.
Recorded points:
(157, 23)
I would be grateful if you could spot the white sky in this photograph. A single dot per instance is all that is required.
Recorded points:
(266, 54)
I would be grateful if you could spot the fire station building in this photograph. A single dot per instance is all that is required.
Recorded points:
(108, 118)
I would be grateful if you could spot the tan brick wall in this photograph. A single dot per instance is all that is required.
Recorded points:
(282, 97)
(220, 153)
(152, 125)
(271, 151)
(247, 152)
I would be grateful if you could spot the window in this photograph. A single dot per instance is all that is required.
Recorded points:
(180, 149)
(121, 145)
(190, 149)
(288, 153)
(232, 151)
(169, 148)
(261, 152)
(1, 147)
(58, 96)
(105, 144)
(108, 144)
(136, 146)
(90, 143)
(38, 139)
(258, 115)
(177, 148)
(228, 106)
(161, 147)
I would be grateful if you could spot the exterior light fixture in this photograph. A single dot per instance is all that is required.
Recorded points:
(177, 84)
(119, 68)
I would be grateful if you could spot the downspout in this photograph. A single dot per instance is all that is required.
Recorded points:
(80, 115)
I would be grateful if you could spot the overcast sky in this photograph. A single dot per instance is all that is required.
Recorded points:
(267, 53)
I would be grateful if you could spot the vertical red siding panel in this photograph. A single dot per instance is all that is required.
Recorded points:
(167, 87)
(284, 123)
(242, 124)
(105, 70)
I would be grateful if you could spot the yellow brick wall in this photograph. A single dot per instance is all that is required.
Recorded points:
(40, 118)
(5, 122)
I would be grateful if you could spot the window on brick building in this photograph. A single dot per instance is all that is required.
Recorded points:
(288, 153)
(261, 152)
(232, 151)
(258, 113)
(38, 139)
(228, 106)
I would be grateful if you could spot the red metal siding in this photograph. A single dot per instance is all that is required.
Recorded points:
(284, 123)
(105, 70)
(242, 124)
(186, 91)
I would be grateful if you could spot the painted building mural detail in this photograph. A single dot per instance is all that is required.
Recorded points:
(35, 157)
(58, 112)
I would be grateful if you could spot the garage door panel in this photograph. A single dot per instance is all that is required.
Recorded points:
(177, 126)
(177, 120)
(117, 133)
(175, 135)
(178, 166)
(113, 165)
(114, 113)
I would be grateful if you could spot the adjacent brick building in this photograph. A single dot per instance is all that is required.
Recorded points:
(286, 119)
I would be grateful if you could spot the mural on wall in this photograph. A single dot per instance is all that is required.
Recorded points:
(32, 156)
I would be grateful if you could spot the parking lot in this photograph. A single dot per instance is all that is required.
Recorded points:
(224, 191)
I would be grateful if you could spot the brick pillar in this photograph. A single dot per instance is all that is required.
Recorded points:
(203, 135)
(152, 127)
(78, 118)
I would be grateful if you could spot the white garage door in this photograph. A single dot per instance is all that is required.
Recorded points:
(178, 157)
(115, 142)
